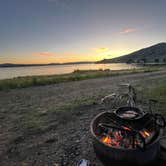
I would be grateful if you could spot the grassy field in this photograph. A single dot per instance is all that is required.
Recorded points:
(22, 82)
(33, 121)
(156, 91)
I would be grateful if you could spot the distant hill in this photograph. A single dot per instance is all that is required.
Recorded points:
(153, 54)
(50, 64)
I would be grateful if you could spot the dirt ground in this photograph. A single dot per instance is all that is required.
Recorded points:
(56, 138)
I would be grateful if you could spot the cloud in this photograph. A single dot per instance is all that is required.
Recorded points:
(53, 0)
(128, 30)
(60, 1)
(44, 54)
(65, 4)
(101, 49)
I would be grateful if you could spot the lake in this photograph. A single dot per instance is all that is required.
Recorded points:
(11, 72)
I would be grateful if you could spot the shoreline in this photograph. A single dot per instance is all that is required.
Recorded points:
(77, 75)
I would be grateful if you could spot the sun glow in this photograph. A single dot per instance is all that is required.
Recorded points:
(90, 54)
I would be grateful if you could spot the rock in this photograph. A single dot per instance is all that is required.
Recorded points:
(77, 141)
(18, 139)
(50, 140)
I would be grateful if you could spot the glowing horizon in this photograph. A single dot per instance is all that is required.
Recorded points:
(47, 57)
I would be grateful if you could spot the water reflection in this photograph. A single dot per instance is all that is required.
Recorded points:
(58, 69)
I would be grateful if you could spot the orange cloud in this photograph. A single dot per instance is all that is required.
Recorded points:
(128, 30)
(43, 54)
(101, 49)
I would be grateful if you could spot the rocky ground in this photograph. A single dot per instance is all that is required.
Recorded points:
(49, 125)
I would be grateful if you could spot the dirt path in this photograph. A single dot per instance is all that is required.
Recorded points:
(65, 137)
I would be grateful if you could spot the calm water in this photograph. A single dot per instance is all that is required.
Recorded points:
(57, 69)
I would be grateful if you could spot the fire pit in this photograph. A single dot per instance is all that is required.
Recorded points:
(127, 134)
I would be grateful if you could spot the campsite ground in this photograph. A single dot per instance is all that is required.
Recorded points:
(49, 125)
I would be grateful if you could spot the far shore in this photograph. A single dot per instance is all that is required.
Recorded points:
(49, 64)
(8, 65)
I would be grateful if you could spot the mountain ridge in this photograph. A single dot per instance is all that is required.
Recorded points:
(152, 54)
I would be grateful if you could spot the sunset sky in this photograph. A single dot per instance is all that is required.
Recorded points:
(46, 31)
